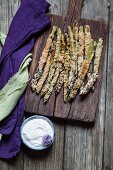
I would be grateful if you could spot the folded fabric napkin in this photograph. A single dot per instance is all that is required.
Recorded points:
(12, 91)
(30, 20)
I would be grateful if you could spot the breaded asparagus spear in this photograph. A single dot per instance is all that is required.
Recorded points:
(53, 82)
(87, 39)
(46, 69)
(87, 42)
(81, 44)
(54, 64)
(98, 54)
(93, 77)
(73, 61)
(56, 75)
(66, 68)
(60, 79)
(83, 71)
(43, 58)
(85, 89)
(87, 61)
(75, 30)
(90, 70)
(73, 55)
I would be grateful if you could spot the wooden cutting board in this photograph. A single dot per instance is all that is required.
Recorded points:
(81, 108)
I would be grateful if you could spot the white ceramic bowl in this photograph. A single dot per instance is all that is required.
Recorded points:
(28, 144)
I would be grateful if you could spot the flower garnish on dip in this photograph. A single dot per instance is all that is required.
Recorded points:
(47, 140)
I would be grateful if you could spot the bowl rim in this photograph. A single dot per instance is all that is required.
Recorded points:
(37, 117)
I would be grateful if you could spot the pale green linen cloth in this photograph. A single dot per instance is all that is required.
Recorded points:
(15, 87)
(2, 38)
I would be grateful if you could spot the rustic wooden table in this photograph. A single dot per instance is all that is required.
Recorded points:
(76, 147)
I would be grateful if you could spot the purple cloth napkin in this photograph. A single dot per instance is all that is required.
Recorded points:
(29, 20)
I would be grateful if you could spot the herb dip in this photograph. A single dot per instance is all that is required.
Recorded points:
(37, 133)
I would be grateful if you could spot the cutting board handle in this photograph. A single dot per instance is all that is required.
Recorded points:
(75, 8)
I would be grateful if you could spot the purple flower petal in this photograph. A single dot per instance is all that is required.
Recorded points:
(47, 140)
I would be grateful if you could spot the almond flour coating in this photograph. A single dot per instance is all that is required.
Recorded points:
(73, 55)
(66, 68)
(54, 63)
(87, 39)
(93, 77)
(60, 79)
(43, 58)
(56, 75)
(81, 45)
(83, 72)
(46, 69)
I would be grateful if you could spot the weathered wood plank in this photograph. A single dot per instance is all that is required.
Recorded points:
(59, 7)
(95, 9)
(75, 9)
(108, 137)
(84, 146)
(4, 16)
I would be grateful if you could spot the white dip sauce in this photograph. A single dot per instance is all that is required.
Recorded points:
(34, 130)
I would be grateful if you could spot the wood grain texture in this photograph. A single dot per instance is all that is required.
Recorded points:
(84, 146)
(108, 135)
(59, 7)
(66, 7)
(75, 9)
